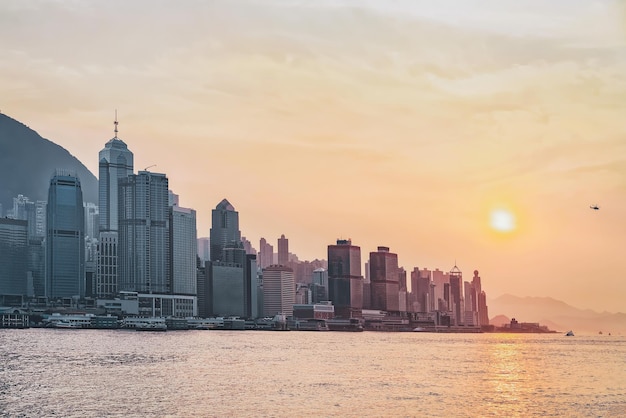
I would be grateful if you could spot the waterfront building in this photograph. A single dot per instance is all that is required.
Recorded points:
(183, 242)
(65, 237)
(13, 256)
(227, 293)
(345, 282)
(224, 228)
(456, 295)
(144, 234)
(115, 164)
(36, 265)
(283, 251)
(279, 290)
(384, 276)
(202, 288)
(324, 310)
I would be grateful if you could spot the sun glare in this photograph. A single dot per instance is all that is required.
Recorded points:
(502, 220)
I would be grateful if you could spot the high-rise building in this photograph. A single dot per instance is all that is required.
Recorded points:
(456, 294)
(345, 282)
(319, 285)
(283, 251)
(481, 300)
(279, 290)
(91, 220)
(13, 256)
(224, 228)
(204, 252)
(183, 242)
(144, 234)
(420, 290)
(266, 254)
(65, 238)
(107, 265)
(115, 164)
(384, 276)
(37, 265)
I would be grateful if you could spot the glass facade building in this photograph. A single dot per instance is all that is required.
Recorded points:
(143, 241)
(184, 249)
(13, 256)
(224, 228)
(65, 237)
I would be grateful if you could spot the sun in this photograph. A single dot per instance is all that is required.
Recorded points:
(502, 220)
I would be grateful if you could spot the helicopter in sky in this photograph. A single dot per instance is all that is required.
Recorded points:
(594, 207)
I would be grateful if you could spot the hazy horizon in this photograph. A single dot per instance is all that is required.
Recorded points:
(403, 124)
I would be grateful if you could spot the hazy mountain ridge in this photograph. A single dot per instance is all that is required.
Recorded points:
(555, 314)
(28, 161)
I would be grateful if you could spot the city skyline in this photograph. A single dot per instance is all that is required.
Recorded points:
(397, 124)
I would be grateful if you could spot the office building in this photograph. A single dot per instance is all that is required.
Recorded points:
(283, 251)
(65, 237)
(224, 228)
(115, 163)
(13, 256)
(345, 282)
(279, 290)
(266, 254)
(204, 252)
(144, 231)
(183, 246)
(384, 276)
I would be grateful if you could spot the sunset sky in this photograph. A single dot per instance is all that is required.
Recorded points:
(404, 124)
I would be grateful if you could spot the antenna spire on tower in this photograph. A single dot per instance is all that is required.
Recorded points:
(115, 123)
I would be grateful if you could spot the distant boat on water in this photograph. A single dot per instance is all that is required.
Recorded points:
(569, 333)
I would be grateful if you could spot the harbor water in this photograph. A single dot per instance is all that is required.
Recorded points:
(98, 373)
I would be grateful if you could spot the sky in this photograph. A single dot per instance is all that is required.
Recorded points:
(405, 124)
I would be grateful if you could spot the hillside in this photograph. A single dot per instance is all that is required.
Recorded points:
(556, 314)
(27, 162)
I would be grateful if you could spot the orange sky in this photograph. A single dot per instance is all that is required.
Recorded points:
(395, 123)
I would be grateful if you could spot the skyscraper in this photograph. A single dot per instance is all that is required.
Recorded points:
(384, 280)
(283, 251)
(224, 228)
(345, 283)
(144, 233)
(115, 164)
(13, 256)
(183, 245)
(65, 237)
(266, 253)
(456, 294)
(279, 290)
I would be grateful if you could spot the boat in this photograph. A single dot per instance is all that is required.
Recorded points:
(419, 329)
(569, 333)
(67, 325)
(154, 326)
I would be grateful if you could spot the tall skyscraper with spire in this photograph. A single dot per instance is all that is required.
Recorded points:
(115, 164)
(65, 237)
(224, 229)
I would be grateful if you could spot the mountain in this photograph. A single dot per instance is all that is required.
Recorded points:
(556, 314)
(28, 161)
